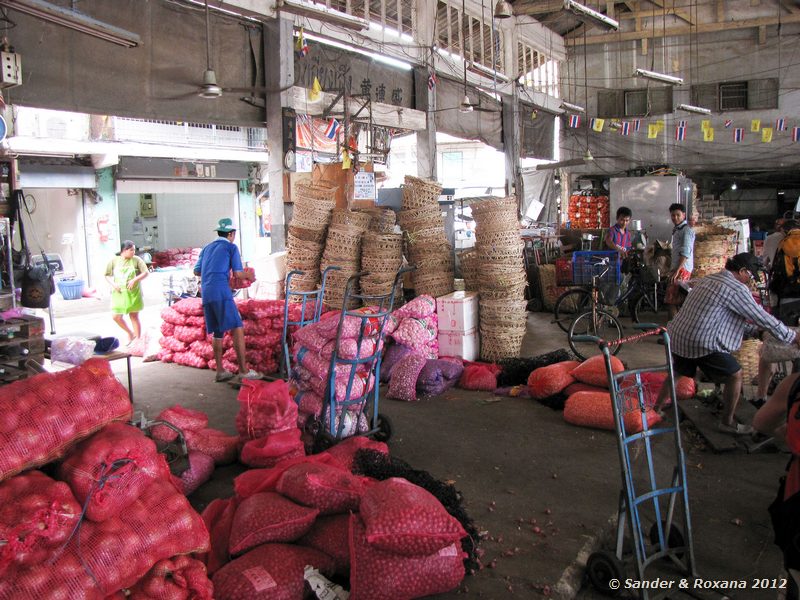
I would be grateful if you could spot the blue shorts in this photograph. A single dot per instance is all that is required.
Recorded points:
(221, 316)
(717, 366)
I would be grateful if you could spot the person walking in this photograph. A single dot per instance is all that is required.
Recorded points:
(716, 315)
(216, 262)
(123, 274)
(682, 258)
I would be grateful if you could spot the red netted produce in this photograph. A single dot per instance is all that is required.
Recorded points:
(593, 370)
(218, 518)
(264, 408)
(593, 409)
(43, 416)
(327, 488)
(185, 419)
(108, 471)
(201, 467)
(273, 448)
(330, 536)
(345, 450)
(268, 517)
(179, 578)
(217, 444)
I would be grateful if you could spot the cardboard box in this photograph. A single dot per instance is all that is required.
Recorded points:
(465, 344)
(457, 311)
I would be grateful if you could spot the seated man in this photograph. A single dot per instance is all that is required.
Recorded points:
(718, 312)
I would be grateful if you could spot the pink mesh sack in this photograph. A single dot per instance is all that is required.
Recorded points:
(419, 308)
(44, 416)
(179, 578)
(309, 403)
(268, 517)
(330, 535)
(550, 380)
(414, 333)
(220, 446)
(573, 388)
(108, 471)
(172, 316)
(218, 519)
(187, 334)
(37, 515)
(185, 419)
(345, 451)
(403, 384)
(379, 575)
(593, 370)
(167, 329)
(189, 306)
(403, 518)
(254, 481)
(173, 344)
(269, 572)
(264, 408)
(327, 488)
(593, 409)
(201, 468)
(272, 449)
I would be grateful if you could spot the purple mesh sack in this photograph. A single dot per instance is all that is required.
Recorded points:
(394, 353)
(438, 375)
(403, 384)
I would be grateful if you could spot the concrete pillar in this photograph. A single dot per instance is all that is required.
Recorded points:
(279, 73)
(426, 99)
(511, 141)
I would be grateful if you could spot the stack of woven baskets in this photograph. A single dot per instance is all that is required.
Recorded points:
(343, 250)
(713, 245)
(381, 258)
(468, 259)
(427, 245)
(501, 278)
(382, 219)
(313, 206)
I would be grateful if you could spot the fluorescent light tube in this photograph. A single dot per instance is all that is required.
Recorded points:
(572, 107)
(486, 72)
(323, 13)
(694, 109)
(587, 14)
(655, 76)
(75, 21)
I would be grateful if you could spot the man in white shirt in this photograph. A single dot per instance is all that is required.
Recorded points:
(771, 244)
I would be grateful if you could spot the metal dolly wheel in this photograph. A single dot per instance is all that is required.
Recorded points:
(644, 497)
(365, 366)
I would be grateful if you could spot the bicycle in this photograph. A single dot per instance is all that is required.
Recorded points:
(644, 298)
(594, 322)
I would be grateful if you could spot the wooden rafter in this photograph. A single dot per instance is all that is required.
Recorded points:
(677, 12)
(790, 6)
(537, 8)
(685, 30)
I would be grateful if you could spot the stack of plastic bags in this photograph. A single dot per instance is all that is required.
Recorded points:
(176, 257)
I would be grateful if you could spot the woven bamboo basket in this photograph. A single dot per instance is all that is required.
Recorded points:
(547, 283)
(499, 239)
(345, 216)
(484, 206)
(747, 356)
(307, 235)
(303, 284)
(343, 242)
(713, 246)
(493, 216)
(382, 220)
(317, 193)
(434, 236)
(504, 313)
(468, 260)
(382, 243)
(424, 214)
(420, 192)
(311, 216)
(497, 346)
(435, 262)
(434, 284)
(500, 254)
(380, 265)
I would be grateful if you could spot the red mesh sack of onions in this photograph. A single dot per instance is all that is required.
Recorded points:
(550, 380)
(348, 348)
(167, 329)
(330, 535)
(415, 334)
(220, 446)
(218, 519)
(172, 344)
(593, 370)
(419, 308)
(264, 408)
(254, 481)
(379, 575)
(43, 416)
(260, 309)
(479, 376)
(172, 316)
(252, 327)
(199, 322)
(330, 489)
(309, 403)
(593, 409)
(37, 515)
(201, 468)
(185, 419)
(576, 387)
(104, 557)
(165, 356)
(268, 517)
(202, 348)
(272, 449)
(403, 518)
(189, 359)
(108, 471)
(179, 578)
(345, 451)
(269, 572)
(190, 307)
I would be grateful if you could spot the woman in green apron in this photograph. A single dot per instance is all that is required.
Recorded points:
(123, 273)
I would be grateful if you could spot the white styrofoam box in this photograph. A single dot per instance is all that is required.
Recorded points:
(465, 344)
(271, 268)
(267, 290)
(457, 311)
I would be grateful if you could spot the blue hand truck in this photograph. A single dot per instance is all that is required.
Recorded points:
(646, 495)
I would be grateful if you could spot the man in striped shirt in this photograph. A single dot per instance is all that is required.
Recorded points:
(618, 237)
(718, 312)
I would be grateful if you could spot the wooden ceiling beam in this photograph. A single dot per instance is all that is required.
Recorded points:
(790, 6)
(677, 12)
(537, 8)
(685, 30)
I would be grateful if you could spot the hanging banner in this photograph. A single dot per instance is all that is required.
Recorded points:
(313, 134)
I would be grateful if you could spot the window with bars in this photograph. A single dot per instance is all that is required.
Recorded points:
(754, 94)
(634, 103)
(468, 37)
(733, 96)
(536, 70)
(398, 15)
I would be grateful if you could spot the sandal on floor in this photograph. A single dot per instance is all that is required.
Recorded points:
(736, 429)
(222, 377)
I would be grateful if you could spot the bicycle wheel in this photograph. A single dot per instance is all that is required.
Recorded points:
(597, 324)
(648, 310)
(569, 304)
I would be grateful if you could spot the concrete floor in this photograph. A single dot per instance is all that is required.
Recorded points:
(516, 461)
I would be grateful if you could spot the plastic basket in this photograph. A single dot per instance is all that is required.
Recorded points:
(563, 271)
(71, 289)
(586, 264)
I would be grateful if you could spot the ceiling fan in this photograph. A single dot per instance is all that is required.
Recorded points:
(586, 159)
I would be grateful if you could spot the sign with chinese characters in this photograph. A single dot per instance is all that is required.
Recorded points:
(364, 186)
(337, 69)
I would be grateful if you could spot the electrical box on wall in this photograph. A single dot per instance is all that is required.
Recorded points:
(147, 205)
(10, 69)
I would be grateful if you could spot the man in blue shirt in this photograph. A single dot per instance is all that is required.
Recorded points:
(214, 266)
(682, 257)
(618, 237)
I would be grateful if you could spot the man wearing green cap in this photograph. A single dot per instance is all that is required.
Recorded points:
(214, 266)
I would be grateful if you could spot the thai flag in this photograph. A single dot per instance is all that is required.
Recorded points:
(682, 123)
(332, 130)
(680, 133)
(625, 129)
(432, 81)
(728, 123)
(636, 124)
(574, 121)
(738, 135)
(780, 124)
(796, 134)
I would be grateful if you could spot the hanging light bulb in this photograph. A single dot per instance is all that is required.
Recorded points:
(733, 185)
(502, 10)
(466, 105)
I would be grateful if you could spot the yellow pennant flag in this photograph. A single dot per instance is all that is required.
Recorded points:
(346, 162)
(766, 135)
(708, 134)
(315, 91)
(652, 130)
(755, 125)
(705, 124)
(597, 124)
(660, 125)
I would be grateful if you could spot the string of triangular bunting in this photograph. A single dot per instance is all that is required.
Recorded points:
(654, 129)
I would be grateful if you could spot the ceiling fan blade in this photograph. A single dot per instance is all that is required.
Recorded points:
(186, 96)
(573, 162)
(484, 109)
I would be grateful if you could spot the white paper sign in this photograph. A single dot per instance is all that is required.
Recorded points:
(364, 184)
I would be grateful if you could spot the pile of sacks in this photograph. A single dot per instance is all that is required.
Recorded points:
(588, 400)
(112, 518)
(176, 257)
(391, 539)
(184, 339)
